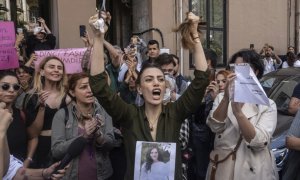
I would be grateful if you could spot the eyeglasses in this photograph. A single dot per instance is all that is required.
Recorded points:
(7, 86)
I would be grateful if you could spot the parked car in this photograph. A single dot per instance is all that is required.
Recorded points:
(279, 86)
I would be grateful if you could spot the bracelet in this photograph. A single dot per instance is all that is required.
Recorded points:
(29, 158)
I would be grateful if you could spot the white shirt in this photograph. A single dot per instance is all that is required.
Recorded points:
(296, 64)
(14, 165)
(124, 69)
(159, 171)
(271, 65)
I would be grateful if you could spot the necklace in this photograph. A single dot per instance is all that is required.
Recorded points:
(153, 124)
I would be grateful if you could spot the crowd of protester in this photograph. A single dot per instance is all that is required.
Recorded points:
(136, 94)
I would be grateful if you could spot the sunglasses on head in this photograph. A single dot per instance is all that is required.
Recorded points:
(7, 86)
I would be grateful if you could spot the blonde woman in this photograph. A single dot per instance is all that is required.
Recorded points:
(40, 104)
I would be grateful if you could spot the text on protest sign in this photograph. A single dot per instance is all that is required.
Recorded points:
(8, 58)
(7, 34)
(247, 88)
(71, 57)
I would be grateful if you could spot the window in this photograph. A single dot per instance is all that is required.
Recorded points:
(3, 10)
(213, 12)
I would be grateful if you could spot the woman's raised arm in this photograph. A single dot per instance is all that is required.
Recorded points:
(199, 56)
(97, 58)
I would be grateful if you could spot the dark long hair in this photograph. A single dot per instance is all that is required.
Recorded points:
(251, 57)
(149, 160)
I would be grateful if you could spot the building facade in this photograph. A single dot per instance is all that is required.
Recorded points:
(230, 25)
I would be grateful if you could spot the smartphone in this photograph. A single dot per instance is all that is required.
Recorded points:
(251, 46)
(19, 30)
(82, 30)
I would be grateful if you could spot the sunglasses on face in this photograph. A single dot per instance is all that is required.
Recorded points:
(7, 86)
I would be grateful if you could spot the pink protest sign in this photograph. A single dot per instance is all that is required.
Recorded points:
(7, 34)
(8, 58)
(71, 57)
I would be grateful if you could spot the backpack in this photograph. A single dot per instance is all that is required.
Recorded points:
(66, 114)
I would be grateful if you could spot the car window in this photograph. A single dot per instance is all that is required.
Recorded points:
(283, 92)
(270, 82)
(282, 101)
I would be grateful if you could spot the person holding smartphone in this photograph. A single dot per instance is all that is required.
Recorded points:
(42, 38)
(271, 61)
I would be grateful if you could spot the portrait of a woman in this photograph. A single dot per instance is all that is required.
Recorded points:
(154, 167)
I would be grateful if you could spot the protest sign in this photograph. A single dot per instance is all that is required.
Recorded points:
(247, 88)
(8, 53)
(71, 57)
(7, 34)
(8, 58)
(154, 160)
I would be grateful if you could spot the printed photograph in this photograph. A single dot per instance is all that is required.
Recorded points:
(155, 161)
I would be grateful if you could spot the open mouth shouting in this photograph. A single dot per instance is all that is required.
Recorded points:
(156, 93)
